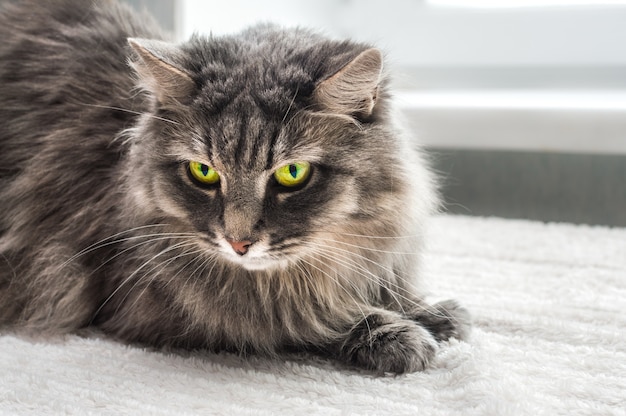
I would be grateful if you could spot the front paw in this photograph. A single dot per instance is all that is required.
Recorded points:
(444, 320)
(386, 343)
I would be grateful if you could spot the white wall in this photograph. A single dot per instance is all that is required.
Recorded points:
(472, 37)
(222, 17)
(416, 35)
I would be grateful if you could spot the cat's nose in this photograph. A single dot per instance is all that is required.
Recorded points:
(240, 247)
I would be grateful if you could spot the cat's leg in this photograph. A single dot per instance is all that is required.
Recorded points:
(385, 342)
(444, 320)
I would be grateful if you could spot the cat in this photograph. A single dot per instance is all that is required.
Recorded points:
(249, 193)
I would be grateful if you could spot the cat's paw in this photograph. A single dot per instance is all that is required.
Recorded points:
(388, 344)
(444, 320)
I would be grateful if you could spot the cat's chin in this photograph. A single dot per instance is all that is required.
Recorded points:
(263, 265)
(257, 263)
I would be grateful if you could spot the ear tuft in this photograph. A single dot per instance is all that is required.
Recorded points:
(353, 90)
(159, 71)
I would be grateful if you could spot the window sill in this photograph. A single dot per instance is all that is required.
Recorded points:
(556, 121)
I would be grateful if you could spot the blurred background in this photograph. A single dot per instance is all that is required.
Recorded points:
(522, 103)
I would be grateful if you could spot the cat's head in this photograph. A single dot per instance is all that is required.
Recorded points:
(269, 144)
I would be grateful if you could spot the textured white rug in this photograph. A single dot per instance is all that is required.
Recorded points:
(549, 302)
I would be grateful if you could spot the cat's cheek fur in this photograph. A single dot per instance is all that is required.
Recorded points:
(149, 193)
(162, 199)
(346, 201)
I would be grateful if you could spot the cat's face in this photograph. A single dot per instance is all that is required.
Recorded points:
(265, 174)
(256, 191)
(260, 192)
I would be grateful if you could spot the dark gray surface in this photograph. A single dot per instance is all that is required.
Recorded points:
(578, 188)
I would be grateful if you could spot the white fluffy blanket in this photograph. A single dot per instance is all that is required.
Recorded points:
(549, 304)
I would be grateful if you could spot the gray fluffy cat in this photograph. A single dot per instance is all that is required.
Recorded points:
(248, 193)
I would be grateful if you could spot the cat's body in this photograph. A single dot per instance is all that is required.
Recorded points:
(105, 222)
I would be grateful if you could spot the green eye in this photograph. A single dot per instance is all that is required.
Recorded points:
(293, 174)
(203, 173)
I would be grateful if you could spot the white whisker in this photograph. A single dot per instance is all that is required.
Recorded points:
(131, 112)
(331, 253)
(161, 236)
(365, 258)
(361, 271)
(137, 270)
(293, 100)
(343, 288)
(379, 237)
(95, 245)
(162, 265)
(376, 250)
(297, 113)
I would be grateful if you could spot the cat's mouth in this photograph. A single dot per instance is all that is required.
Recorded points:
(260, 264)
(254, 256)
(254, 260)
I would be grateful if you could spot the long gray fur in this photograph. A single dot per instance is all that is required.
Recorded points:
(101, 224)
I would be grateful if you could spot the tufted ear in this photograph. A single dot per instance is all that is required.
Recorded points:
(160, 71)
(354, 89)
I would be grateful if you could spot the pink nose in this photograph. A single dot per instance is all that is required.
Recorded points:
(240, 247)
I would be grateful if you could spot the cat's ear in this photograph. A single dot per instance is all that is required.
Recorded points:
(353, 90)
(159, 72)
